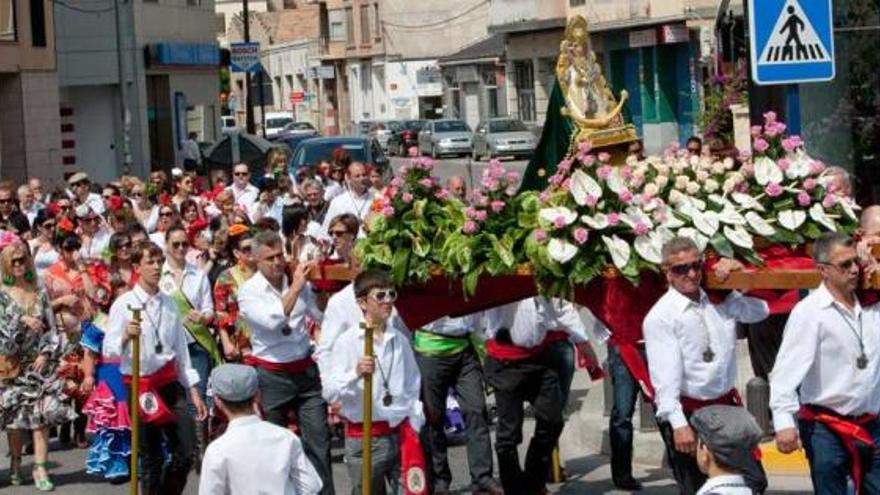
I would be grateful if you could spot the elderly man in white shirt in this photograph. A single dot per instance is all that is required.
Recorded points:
(252, 454)
(275, 311)
(691, 344)
(244, 193)
(521, 366)
(166, 374)
(828, 375)
(356, 199)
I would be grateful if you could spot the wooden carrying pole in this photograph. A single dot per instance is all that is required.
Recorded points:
(367, 445)
(135, 392)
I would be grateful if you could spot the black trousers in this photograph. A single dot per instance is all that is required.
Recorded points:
(282, 393)
(765, 338)
(534, 380)
(463, 371)
(180, 434)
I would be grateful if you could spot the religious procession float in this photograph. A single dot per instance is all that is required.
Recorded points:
(588, 221)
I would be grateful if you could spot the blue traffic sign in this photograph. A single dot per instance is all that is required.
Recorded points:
(792, 41)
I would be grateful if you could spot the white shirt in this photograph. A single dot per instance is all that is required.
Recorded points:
(395, 357)
(343, 312)
(95, 248)
(332, 189)
(95, 202)
(159, 323)
(261, 307)
(258, 210)
(195, 286)
(245, 197)
(348, 202)
(816, 363)
(255, 457)
(456, 326)
(732, 484)
(678, 331)
(158, 238)
(530, 319)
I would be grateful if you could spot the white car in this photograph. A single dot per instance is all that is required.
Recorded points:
(276, 121)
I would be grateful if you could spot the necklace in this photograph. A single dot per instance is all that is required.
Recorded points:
(387, 398)
(359, 209)
(862, 360)
(708, 353)
(156, 326)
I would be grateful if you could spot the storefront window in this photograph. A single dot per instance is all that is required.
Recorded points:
(7, 21)
(840, 118)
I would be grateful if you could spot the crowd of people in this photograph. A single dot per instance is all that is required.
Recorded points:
(242, 344)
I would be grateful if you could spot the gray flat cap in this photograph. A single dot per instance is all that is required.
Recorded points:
(730, 433)
(234, 382)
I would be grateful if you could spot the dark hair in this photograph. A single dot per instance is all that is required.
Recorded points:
(116, 239)
(292, 216)
(234, 243)
(145, 247)
(136, 228)
(267, 238)
(113, 188)
(350, 222)
(43, 215)
(694, 139)
(69, 242)
(238, 407)
(826, 242)
(267, 224)
(190, 203)
(368, 280)
(174, 227)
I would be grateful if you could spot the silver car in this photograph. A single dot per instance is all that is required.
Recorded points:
(503, 136)
(382, 130)
(446, 137)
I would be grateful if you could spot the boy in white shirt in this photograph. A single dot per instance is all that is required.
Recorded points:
(397, 411)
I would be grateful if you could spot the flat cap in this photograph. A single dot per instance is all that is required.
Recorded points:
(730, 433)
(77, 177)
(234, 382)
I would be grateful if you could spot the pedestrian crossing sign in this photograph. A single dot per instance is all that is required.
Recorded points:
(792, 41)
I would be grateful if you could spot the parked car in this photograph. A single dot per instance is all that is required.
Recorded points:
(290, 139)
(382, 131)
(304, 128)
(228, 123)
(446, 137)
(362, 128)
(276, 121)
(503, 136)
(311, 151)
(405, 138)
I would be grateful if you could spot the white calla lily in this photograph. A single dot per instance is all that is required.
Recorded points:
(561, 251)
(698, 238)
(766, 171)
(798, 166)
(697, 203)
(672, 221)
(817, 213)
(598, 221)
(720, 200)
(706, 222)
(619, 250)
(759, 225)
(615, 181)
(633, 216)
(551, 214)
(791, 219)
(739, 236)
(649, 247)
(582, 186)
(848, 207)
(747, 201)
(731, 217)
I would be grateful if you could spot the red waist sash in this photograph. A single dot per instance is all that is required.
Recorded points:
(380, 429)
(691, 405)
(292, 367)
(638, 368)
(508, 351)
(850, 430)
(150, 404)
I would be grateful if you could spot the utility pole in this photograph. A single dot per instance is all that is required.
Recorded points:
(123, 92)
(249, 110)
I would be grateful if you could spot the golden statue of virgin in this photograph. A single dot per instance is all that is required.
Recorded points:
(589, 101)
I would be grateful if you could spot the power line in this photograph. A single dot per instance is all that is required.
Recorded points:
(101, 10)
(438, 23)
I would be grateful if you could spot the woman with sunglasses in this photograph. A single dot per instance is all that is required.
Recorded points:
(42, 243)
(166, 218)
(93, 233)
(122, 272)
(298, 231)
(234, 335)
(144, 210)
(189, 212)
(343, 231)
(32, 398)
(62, 205)
(184, 190)
(74, 285)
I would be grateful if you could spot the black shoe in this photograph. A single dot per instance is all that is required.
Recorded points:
(441, 488)
(630, 484)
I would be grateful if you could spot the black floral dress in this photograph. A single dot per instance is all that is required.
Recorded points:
(33, 399)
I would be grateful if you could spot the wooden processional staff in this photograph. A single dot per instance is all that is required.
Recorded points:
(135, 392)
(367, 445)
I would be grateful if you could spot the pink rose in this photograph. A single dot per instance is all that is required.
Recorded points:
(626, 196)
(604, 157)
(747, 170)
(641, 228)
(407, 198)
(804, 199)
(491, 184)
(396, 182)
(544, 196)
(497, 206)
(829, 201)
(559, 222)
(481, 215)
(789, 145)
(581, 235)
(755, 130)
(510, 191)
(761, 145)
(782, 164)
(817, 167)
(604, 171)
(613, 219)
(564, 166)
(591, 200)
(773, 189)
(810, 184)
(442, 194)
(426, 182)
(540, 235)
(769, 117)
(469, 227)
(388, 211)
(513, 176)
(584, 146)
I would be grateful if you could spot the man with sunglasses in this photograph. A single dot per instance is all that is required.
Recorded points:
(356, 199)
(691, 350)
(10, 218)
(26, 203)
(245, 193)
(825, 385)
(275, 309)
(81, 193)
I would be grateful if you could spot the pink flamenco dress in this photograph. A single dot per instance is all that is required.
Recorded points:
(107, 408)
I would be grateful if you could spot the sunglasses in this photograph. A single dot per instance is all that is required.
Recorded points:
(19, 261)
(137, 194)
(107, 196)
(80, 183)
(48, 225)
(685, 268)
(384, 296)
(6, 201)
(65, 207)
(166, 213)
(179, 244)
(338, 233)
(90, 219)
(844, 265)
(245, 249)
(241, 174)
(124, 245)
